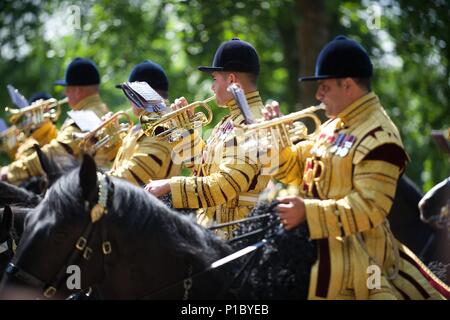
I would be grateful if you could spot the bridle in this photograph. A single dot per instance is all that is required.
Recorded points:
(10, 244)
(82, 248)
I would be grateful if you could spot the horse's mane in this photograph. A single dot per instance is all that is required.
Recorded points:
(281, 269)
(141, 216)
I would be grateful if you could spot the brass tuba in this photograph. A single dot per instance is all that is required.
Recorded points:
(174, 123)
(107, 134)
(36, 113)
(286, 129)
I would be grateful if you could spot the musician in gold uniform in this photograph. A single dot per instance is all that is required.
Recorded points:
(227, 182)
(347, 178)
(81, 83)
(143, 158)
(43, 134)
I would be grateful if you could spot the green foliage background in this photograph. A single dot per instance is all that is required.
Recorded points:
(408, 42)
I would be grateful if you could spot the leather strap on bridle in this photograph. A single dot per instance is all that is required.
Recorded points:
(81, 248)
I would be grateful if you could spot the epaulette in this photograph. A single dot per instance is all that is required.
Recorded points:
(374, 137)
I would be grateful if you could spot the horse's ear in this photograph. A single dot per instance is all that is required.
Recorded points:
(7, 220)
(50, 168)
(88, 178)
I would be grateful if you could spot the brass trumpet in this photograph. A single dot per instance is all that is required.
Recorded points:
(174, 123)
(286, 129)
(38, 112)
(106, 135)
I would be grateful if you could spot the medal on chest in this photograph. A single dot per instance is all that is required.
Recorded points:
(340, 145)
(322, 144)
(343, 144)
(220, 133)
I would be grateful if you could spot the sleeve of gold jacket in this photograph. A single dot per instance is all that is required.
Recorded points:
(148, 161)
(154, 159)
(234, 175)
(30, 165)
(366, 206)
(188, 150)
(290, 163)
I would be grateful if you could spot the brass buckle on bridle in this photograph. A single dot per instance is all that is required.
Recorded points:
(49, 292)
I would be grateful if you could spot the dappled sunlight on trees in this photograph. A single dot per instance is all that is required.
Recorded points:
(407, 40)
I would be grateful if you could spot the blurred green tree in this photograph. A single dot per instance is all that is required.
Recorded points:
(408, 41)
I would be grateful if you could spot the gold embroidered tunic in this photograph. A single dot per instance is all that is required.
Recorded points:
(227, 182)
(348, 177)
(60, 149)
(142, 158)
(44, 134)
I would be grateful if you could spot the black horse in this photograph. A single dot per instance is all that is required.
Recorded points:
(435, 211)
(11, 227)
(13, 195)
(435, 205)
(31, 192)
(12, 218)
(139, 249)
(52, 170)
(7, 239)
(405, 222)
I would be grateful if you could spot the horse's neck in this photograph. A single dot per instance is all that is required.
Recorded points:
(140, 276)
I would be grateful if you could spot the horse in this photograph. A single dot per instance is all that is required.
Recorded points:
(31, 192)
(405, 222)
(6, 238)
(138, 249)
(11, 228)
(435, 205)
(13, 195)
(434, 210)
(21, 199)
(12, 219)
(52, 170)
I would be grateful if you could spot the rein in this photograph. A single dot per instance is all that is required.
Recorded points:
(10, 243)
(187, 282)
(82, 250)
(250, 233)
(8, 246)
(231, 223)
